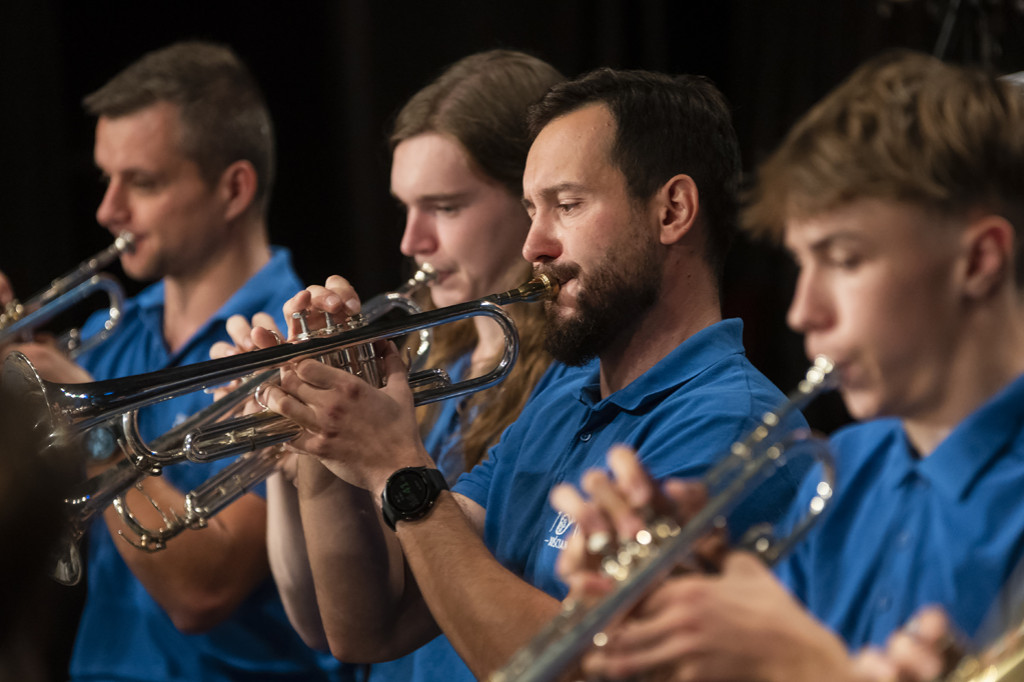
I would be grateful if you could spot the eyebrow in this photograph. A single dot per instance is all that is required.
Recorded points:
(554, 190)
(434, 198)
(825, 242)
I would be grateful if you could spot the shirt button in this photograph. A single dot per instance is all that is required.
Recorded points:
(903, 540)
(884, 602)
(585, 437)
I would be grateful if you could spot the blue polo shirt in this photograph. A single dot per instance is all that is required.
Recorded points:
(904, 532)
(444, 440)
(123, 634)
(681, 415)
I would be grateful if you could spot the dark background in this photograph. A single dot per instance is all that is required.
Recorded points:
(334, 73)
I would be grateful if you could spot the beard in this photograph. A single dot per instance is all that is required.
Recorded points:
(611, 297)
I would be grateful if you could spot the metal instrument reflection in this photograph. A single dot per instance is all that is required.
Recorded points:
(18, 321)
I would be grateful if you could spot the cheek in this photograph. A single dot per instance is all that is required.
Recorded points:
(486, 241)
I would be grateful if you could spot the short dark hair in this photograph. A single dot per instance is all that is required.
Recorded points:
(223, 114)
(665, 126)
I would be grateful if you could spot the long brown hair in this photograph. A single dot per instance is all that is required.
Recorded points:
(481, 102)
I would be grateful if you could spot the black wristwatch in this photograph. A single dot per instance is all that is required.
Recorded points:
(410, 493)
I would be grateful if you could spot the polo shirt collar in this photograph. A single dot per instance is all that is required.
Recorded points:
(961, 459)
(687, 360)
(250, 299)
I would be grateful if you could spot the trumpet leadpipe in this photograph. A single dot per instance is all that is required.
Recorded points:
(19, 320)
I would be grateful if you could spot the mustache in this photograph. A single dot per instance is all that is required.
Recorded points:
(559, 272)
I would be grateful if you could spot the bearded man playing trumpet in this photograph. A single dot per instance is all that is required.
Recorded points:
(629, 185)
(901, 198)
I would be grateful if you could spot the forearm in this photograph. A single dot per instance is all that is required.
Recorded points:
(486, 611)
(202, 576)
(370, 609)
(289, 561)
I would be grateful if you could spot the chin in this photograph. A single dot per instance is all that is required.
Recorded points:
(862, 405)
(443, 299)
(141, 271)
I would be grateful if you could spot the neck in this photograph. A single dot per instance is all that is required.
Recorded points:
(192, 297)
(687, 303)
(988, 357)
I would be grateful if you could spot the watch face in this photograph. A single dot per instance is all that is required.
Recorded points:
(407, 491)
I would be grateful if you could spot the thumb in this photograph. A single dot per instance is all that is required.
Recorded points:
(396, 374)
(394, 365)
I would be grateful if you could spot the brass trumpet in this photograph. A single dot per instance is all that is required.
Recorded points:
(651, 557)
(19, 320)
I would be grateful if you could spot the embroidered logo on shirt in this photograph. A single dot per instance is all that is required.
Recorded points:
(557, 530)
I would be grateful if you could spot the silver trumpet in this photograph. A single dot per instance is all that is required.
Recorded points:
(19, 320)
(643, 563)
(69, 411)
(93, 495)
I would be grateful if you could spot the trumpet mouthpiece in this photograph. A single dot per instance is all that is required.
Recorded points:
(541, 287)
(125, 242)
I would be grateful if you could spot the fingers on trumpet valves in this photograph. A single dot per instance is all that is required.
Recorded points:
(264, 332)
(602, 543)
(321, 307)
(338, 296)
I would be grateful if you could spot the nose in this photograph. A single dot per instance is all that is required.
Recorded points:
(810, 309)
(541, 243)
(113, 209)
(420, 236)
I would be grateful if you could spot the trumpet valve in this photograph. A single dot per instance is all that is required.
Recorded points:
(300, 317)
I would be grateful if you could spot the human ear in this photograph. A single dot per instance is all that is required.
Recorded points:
(989, 245)
(679, 203)
(238, 185)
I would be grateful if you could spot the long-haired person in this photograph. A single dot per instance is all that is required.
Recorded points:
(458, 150)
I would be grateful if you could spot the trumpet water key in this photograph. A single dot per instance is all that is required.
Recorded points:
(638, 566)
(19, 320)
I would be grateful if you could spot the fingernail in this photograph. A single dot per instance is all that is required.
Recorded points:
(333, 301)
(353, 305)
